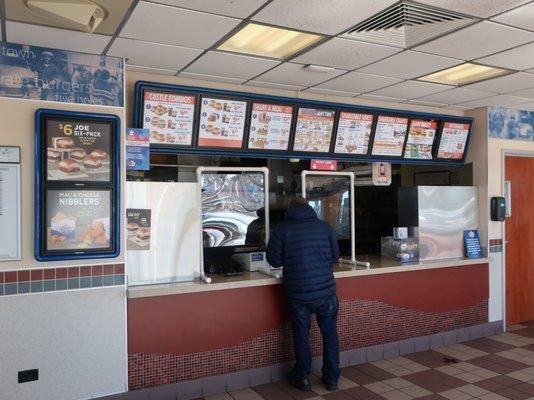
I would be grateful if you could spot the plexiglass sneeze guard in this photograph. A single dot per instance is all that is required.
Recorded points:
(338, 211)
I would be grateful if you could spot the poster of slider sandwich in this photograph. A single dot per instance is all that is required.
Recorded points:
(77, 203)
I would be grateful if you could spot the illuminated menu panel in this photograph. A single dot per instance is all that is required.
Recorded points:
(453, 141)
(421, 137)
(390, 134)
(353, 133)
(270, 126)
(222, 123)
(313, 132)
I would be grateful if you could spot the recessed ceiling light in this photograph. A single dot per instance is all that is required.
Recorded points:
(318, 68)
(78, 14)
(268, 41)
(464, 74)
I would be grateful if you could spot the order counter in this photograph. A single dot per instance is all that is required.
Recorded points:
(235, 326)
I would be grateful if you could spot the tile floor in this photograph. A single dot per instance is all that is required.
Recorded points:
(494, 368)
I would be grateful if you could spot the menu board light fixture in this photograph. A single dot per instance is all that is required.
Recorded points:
(268, 41)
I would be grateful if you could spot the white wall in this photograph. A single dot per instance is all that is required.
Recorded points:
(77, 340)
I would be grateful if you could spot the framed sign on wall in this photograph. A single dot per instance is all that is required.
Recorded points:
(77, 185)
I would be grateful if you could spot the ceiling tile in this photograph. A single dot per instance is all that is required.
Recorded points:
(153, 55)
(231, 8)
(346, 54)
(274, 85)
(477, 8)
(358, 82)
(330, 92)
(295, 74)
(426, 103)
(170, 25)
(410, 90)
(329, 17)
(521, 17)
(478, 40)
(504, 84)
(410, 64)
(525, 93)
(148, 70)
(454, 96)
(499, 101)
(55, 38)
(230, 65)
(518, 58)
(211, 78)
(527, 106)
(381, 98)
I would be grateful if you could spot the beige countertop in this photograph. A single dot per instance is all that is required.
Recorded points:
(250, 279)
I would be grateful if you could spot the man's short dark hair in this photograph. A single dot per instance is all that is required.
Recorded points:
(297, 201)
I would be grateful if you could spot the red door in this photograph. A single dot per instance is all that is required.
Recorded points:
(520, 241)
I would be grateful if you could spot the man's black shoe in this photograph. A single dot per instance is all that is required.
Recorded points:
(302, 384)
(330, 386)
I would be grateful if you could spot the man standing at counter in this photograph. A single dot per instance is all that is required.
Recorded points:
(307, 249)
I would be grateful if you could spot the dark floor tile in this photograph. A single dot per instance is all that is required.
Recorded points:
(525, 387)
(359, 392)
(451, 381)
(421, 377)
(357, 376)
(432, 397)
(337, 396)
(513, 394)
(271, 391)
(528, 332)
(434, 386)
(374, 372)
(294, 392)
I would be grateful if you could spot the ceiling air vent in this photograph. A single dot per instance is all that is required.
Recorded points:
(406, 24)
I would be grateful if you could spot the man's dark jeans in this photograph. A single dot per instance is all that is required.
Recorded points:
(325, 311)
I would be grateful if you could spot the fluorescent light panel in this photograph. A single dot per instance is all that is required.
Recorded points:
(268, 41)
(464, 74)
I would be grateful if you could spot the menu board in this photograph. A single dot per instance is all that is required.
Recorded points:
(78, 220)
(169, 117)
(313, 132)
(270, 126)
(453, 141)
(390, 134)
(78, 150)
(353, 133)
(222, 123)
(421, 137)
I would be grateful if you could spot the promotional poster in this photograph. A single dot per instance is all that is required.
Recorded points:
(137, 149)
(222, 123)
(78, 220)
(420, 139)
(270, 125)
(39, 73)
(505, 123)
(314, 130)
(78, 150)
(169, 117)
(138, 229)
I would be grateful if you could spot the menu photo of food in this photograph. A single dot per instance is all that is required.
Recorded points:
(78, 220)
(138, 229)
(453, 141)
(222, 123)
(353, 133)
(314, 130)
(270, 126)
(169, 117)
(390, 134)
(78, 150)
(421, 137)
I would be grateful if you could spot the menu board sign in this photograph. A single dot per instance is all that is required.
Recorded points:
(270, 125)
(453, 141)
(313, 132)
(222, 123)
(169, 117)
(78, 150)
(390, 134)
(421, 137)
(78, 220)
(353, 133)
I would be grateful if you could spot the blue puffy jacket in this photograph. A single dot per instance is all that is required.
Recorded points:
(307, 249)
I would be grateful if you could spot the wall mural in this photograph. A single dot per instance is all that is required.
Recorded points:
(505, 123)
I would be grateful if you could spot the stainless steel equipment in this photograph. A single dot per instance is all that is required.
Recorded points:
(440, 214)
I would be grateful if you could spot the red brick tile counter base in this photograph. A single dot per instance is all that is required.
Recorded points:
(189, 336)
